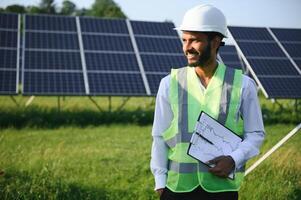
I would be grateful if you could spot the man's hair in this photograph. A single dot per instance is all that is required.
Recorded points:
(212, 35)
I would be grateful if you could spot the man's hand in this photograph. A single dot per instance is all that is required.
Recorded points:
(160, 191)
(223, 166)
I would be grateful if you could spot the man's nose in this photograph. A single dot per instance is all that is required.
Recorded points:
(186, 46)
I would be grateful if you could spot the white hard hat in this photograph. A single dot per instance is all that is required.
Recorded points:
(204, 18)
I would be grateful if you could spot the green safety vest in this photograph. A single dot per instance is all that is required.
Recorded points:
(220, 100)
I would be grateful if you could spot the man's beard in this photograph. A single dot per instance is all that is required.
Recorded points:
(204, 57)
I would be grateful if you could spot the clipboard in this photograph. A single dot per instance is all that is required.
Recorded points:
(211, 139)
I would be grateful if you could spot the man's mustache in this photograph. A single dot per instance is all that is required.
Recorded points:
(192, 51)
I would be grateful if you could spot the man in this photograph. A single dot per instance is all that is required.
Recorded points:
(204, 85)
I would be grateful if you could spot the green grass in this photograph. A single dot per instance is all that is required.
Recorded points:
(112, 162)
(109, 162)
(279, 176)
(78, 152)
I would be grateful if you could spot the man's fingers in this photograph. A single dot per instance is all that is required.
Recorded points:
(215, 160)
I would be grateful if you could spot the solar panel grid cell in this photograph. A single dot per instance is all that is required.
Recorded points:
(280, 67)
(50, 23)
(162, 63)
(8, 21)
(8, 53)
(153, 28)
(8, 59)
(111, 61)
(107, 43)
(261, 49)
(294, 50)
(54, 83)
(52, 60)
(287, 34)
(51, 40)
(154, 81)
(247, 33)
(230, 58)
(159, 45)
(116, 84)
(94, 25)
(7, 82)
(282, 87)
(8, 38)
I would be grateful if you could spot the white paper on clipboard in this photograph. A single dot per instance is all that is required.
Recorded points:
(211, 139)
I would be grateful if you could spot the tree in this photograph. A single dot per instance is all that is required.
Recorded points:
(47, 6)
(106, 8)
(15, 8)
(68, 8)
(33, 10)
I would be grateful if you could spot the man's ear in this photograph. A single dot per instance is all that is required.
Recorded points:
(215, 42)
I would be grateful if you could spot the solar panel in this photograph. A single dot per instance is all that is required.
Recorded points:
(298, 62)
(162, 45)
(270, 55)
(160, 50)
(293, 49)
(154, 80)
(272, 67)
(282, 87)
(112, 66)
(52, 62)
(53, 83)
(291, 41)
(162, 63)
(44, 40)
(107, 43)
(50, 23)
(8, 21)
(154, 28)
(96, 25)
(122, 84)
(9, 51)
(100, 56)
(45, 60)
(259, 49)
(285, 35)
(229, 56)
(109, 62)
(7, 82)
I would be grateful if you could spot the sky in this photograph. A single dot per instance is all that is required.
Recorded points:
(258, 13)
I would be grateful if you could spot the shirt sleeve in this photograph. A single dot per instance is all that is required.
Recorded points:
(253, 124)
(162, 120)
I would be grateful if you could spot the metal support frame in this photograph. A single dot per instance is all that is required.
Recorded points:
(14, 100)
(110, 104)
(29, 101)
(58, 104)
(274, 148)
(138, 57)
(82, 55)
(95, 103)
(125, 100)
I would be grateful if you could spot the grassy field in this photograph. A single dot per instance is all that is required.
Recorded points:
(110, 161)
